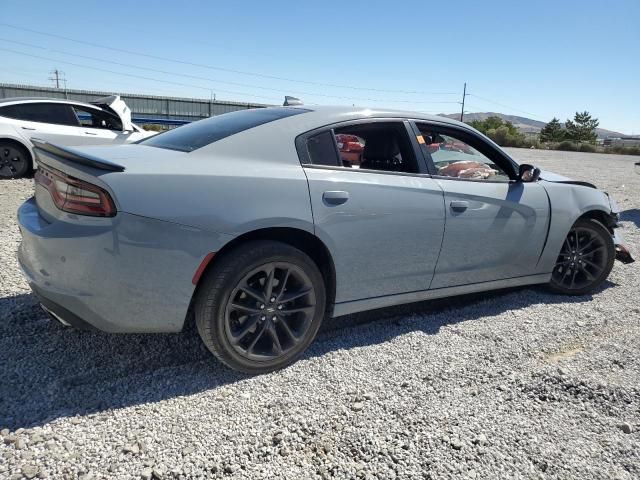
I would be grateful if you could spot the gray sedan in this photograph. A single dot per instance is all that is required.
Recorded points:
(261, 223)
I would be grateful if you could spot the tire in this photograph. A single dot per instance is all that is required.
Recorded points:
(238, 314)
(585, 260)
(15, 160)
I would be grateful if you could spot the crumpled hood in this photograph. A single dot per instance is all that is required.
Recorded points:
(555, 178)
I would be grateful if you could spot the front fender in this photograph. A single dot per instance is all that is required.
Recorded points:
(568, 203)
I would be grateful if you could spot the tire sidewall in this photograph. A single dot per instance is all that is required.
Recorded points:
(216, 295)
(24, 154)
(601, 230)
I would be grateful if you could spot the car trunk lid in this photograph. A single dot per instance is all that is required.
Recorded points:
(116, 105)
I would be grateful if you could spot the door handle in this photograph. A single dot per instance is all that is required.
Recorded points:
(335, 197)
(459, 205)
(28, 128)
(90, 133)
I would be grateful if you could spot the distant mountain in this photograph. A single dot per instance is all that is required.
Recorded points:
(524, 124)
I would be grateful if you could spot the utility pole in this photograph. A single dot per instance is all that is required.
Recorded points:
(57, 77)
(464, 95)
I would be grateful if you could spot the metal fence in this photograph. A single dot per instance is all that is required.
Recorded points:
(142, 106)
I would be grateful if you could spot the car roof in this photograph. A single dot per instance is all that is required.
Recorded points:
(18, 100)
(326, 115)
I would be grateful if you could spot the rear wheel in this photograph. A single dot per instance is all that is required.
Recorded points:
(585, 260)
(260, 306)
(15, 161)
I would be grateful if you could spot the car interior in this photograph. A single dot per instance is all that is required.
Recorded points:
(386, 148)
(455, 158)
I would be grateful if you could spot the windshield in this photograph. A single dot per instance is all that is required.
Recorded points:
(204, 132)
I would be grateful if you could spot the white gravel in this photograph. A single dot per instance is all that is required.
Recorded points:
(516, 384)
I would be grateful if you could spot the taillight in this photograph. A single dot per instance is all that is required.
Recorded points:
(73, 195)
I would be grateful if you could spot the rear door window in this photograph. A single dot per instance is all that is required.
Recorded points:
(378, 146)
(204, 132)
(55, 113)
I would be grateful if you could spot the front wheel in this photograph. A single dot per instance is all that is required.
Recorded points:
(585, 260)
(260, 306)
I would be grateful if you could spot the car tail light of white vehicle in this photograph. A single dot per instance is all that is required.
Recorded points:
(73, 195)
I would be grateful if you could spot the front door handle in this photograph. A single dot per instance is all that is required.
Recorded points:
(90, 133)
(335, 197)
(459, 205)
(28, 128)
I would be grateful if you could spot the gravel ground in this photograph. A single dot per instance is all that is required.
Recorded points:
(513, 384)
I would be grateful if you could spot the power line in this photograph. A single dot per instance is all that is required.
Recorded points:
(214, 67)
(132, 75)
(197, 77)
(503, 105)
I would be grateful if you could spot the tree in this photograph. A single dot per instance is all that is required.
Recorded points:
(582, 128)
(552, 131)
(501, 132)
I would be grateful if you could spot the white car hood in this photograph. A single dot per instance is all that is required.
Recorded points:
(553, 177)
(117, 106)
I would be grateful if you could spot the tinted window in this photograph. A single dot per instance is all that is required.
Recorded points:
(57, 113)
(204, 132)
(376, 146)
(91, 118)
(322, 149)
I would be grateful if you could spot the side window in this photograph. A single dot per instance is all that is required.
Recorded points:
(455, 158)
(376, 146)
(322, 149)
(97, 119)
(56, 113)
(382, 146)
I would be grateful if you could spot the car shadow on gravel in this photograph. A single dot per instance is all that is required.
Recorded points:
(49, 371)
(631, 215)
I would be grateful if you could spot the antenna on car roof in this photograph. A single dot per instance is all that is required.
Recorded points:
(291, 101)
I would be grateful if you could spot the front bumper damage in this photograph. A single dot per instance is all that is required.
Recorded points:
(622, 251)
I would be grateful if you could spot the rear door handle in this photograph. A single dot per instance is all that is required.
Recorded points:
(335, 197)
(28, 128)
(90, 133)
(459, 205)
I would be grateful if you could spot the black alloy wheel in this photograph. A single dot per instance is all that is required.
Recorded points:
(260, 306)
(270, 311)
(585, 260)
(14, 160)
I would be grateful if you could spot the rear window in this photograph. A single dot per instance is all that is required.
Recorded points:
(204, 132)
(56, 113)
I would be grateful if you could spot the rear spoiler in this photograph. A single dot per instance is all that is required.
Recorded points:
(71, 155)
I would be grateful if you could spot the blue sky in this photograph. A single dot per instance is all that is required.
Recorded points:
(535, 59)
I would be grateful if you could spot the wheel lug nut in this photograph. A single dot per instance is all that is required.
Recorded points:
(274, 318)
(273, 299)
(263, 317)
(262, 306)
(279, 307)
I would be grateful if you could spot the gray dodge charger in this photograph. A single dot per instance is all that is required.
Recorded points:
(261, 223)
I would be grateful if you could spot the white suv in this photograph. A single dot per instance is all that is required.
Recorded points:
(62, 122)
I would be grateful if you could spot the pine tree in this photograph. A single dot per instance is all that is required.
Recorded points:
(552, 131)
(582, 128)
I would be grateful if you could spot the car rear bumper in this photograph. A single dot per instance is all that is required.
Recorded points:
(124, 274)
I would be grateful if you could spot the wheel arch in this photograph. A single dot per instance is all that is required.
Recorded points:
(607, 219)
(297, 238)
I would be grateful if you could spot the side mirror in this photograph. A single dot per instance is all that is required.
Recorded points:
(528, 173)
